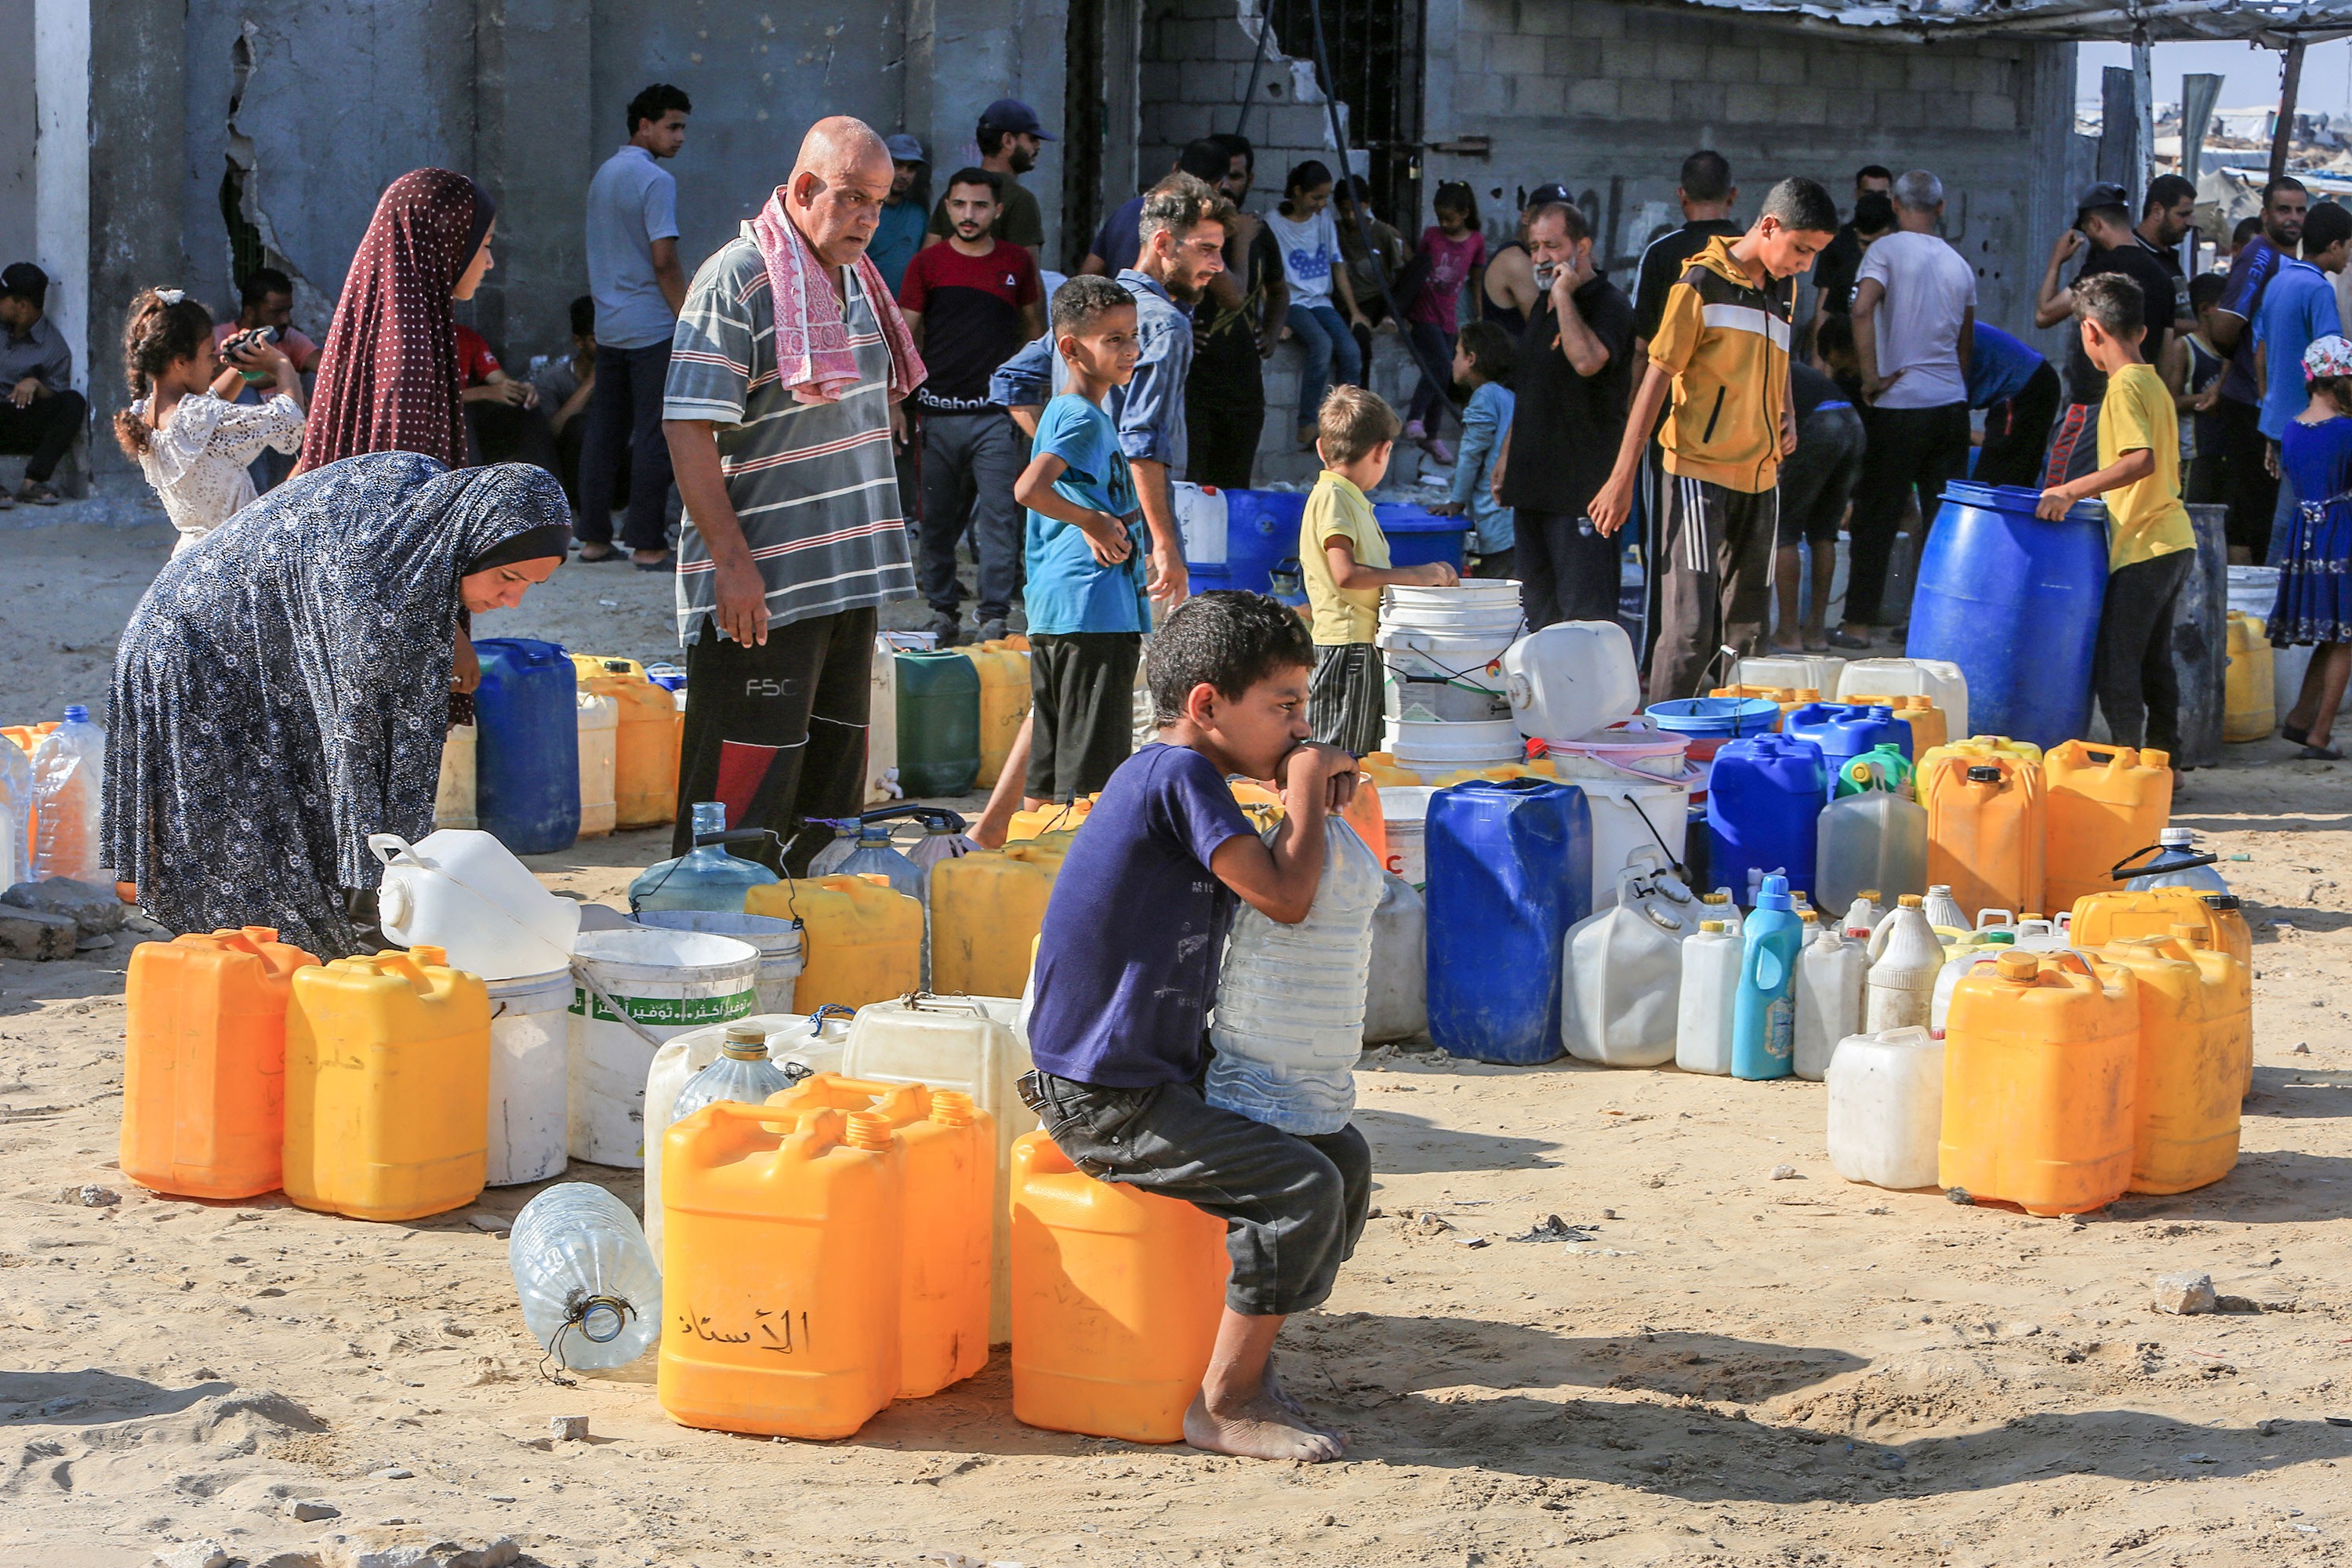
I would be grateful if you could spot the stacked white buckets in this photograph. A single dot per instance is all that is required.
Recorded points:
(1446, 710)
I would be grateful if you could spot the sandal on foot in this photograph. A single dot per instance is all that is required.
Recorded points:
(2294, 737)
(1847, 639)
(609, 554)
(2319, 754)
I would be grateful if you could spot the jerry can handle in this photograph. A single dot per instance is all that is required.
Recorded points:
(390, 848)
(2123, 871)
(1770, 970)
(917, 999)
(1909, 1034)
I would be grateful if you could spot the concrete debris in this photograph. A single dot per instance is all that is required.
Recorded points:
(194, 1554)
(307, 1509)
(499, 1552)
(393, 1473)
(90, 1195)
(1959, 1196)
(495, 1225)
(2184, 1294)
(95, 910)
(568, 1428)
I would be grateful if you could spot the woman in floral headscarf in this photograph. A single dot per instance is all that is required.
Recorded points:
(2315, 605)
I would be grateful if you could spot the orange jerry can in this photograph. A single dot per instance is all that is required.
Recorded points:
(204, 1063)
(2103, 918)
(387, 1086)
(781, 1235)
(2040, 1063)
(645, 756)
(2103, 803)
(2194, 1044)
(951, 1154)
(1987, 829)
(1116, 1298)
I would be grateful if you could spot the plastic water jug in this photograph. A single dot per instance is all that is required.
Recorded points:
(1720, 905)
(1003, 702)
(1831, 975)
(943, 840)
(1510, 870)
(453, 794)
(633, 989)
(1846, 730)
(16, 842)
(863, 940)
(1886, 1108)
(969, 1045)
(1289, 1019)
(939, 724)
(1941, 681)
(527, 750)
(742, 1074)
(2174, 861)
(528, 1121)
(1882, 767)
(2041, 1068)
(802, 1045)
(1705, 999)
(68, 793)
(1818, 670)
(2103, 802)
(1396, 993)
(1117, 1293)
(1963, 957)
(1445, 649)
(591, 1292)
(387, 1086)
(783, 1239)
(1862, 915)
(1763, 809)
(875, 856)
(1571, 679)
(2248, 702)
(644, 767)
(1987, 829)
(706, 876)
(600, 743)
(950, 1148)
(1905, 959)
(1621, 977)
(1920, 714)
(204, 1062)
(987, 908)
(1943, 911)
(1875, 838)
(882, 726)
(1763, 1017)
(2193, 1053)
(465, 892)
(2112, 916)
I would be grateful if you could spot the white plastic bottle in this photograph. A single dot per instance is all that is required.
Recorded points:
(1862, 915)
(1721, 906)
(1943, 909)
(69, 790)
(15, 814)
(1886, 1108)
(591, 1293)
(1905, 959)
(1831, 975)
(1710, 983)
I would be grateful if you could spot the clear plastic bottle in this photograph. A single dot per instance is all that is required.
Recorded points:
(2178, 863)
(874, 856)
(68, 791)
(15, 814)
(705, 877)
(591, 1292)
(1943, 909)
(741, 1073)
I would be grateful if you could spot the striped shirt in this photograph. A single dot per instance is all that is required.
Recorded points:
(814, 484)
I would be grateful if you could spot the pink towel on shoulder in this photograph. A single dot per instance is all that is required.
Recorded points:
(814, 359)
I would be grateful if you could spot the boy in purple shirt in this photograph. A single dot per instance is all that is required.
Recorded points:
(1127, 968)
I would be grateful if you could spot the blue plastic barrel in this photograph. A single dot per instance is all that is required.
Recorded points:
(1510, 869)
(2014, 602)
(1845, 731)
(1417, 536)
(1763, 811)
(527, 745)
(1261, 529)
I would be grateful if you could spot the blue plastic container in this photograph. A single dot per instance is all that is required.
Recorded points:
(1260, 529)
(1763, 810)
(1716, 718)
(2014, 602)
(1510, 869)
(1764, 1014)
(1845, 731)
(526, 746)
(1417, 536)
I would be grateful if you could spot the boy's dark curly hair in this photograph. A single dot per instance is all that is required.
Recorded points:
(1228, 639)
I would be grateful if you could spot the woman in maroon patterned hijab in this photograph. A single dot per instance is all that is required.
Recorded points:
(388, 377)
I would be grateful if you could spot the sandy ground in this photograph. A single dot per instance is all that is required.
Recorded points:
(1722, 1368)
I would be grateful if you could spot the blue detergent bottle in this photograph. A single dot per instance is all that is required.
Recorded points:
(1763, 1015)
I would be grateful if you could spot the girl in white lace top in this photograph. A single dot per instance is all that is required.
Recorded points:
(192, 442)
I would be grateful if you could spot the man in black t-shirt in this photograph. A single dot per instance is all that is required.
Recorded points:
(2103, 219)
(1839, 262)
(1707, 194)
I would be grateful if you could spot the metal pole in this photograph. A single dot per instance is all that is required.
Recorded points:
(2290, 81)
(2143, 80)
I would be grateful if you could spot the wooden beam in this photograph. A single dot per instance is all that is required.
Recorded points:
(2290, 81)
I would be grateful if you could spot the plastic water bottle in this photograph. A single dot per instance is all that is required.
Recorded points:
(944, 839)
(1943, 909)
(874, 856)
(705, 877)
(742, 1073)
(15, 814)
(68, 791)
(2179, 863)
(1710, 987)
(1763, 1018)
(591, 1292)
(1831, 974)
(1904, 960)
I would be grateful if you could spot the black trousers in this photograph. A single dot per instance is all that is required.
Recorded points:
(777, 733)
(510, 433)
(1081, 710)
(1567, 568)
(624, 419)
(970, 462)
(2253, 489)
(44, 428)
(1225, 414)
(1911, 452)
(2139, 690)
(2017, 432)
(1294, 1206)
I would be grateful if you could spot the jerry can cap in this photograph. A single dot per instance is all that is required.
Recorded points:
(2018, 965)
(1774, 894)
(1715, 926)
(1907, 900)
(1984, 773)
(2223, 901)
(2000, 939)
(1810, 917)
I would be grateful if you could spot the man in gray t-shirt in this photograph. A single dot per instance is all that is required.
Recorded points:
(639, 284)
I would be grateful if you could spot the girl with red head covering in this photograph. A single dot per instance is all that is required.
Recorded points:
(388, 379)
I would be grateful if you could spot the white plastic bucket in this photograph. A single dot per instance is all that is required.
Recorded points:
(529, 1067)
(2253, 590)
(1435, 749)
(667, 982)
(1475, 606)
(1404, 812)
(778, 943)
(882, 727)
(1636, 746)
(1620, 839)
(465, 891)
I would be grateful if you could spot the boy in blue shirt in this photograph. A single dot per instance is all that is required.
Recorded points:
(1086, 545)
(1127, 968)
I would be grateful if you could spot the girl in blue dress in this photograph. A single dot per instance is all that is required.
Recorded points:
(2314, 606)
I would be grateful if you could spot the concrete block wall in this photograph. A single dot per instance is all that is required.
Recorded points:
(1197, 68)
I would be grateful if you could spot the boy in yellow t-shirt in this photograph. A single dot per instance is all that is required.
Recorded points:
(1344, 558)
(2151, 545)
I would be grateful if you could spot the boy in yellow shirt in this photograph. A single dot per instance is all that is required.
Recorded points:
(1344, 558)
(2150, 544)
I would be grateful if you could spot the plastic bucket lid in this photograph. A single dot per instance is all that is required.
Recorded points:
(2018, 500)
(668, 959)
(1477, 741)
(1715, 718)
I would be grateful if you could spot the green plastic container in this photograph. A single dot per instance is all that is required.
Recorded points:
(939, 724)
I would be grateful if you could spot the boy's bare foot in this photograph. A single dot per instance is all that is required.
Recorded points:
(1259, 1428)
(1282, 1396)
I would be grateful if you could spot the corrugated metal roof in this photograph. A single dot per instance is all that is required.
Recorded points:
(2271, 22)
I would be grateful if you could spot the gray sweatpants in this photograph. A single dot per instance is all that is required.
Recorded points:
(969, 461)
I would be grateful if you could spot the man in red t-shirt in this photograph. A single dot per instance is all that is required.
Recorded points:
(266, 298)
(971, 304)
(503, 420)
